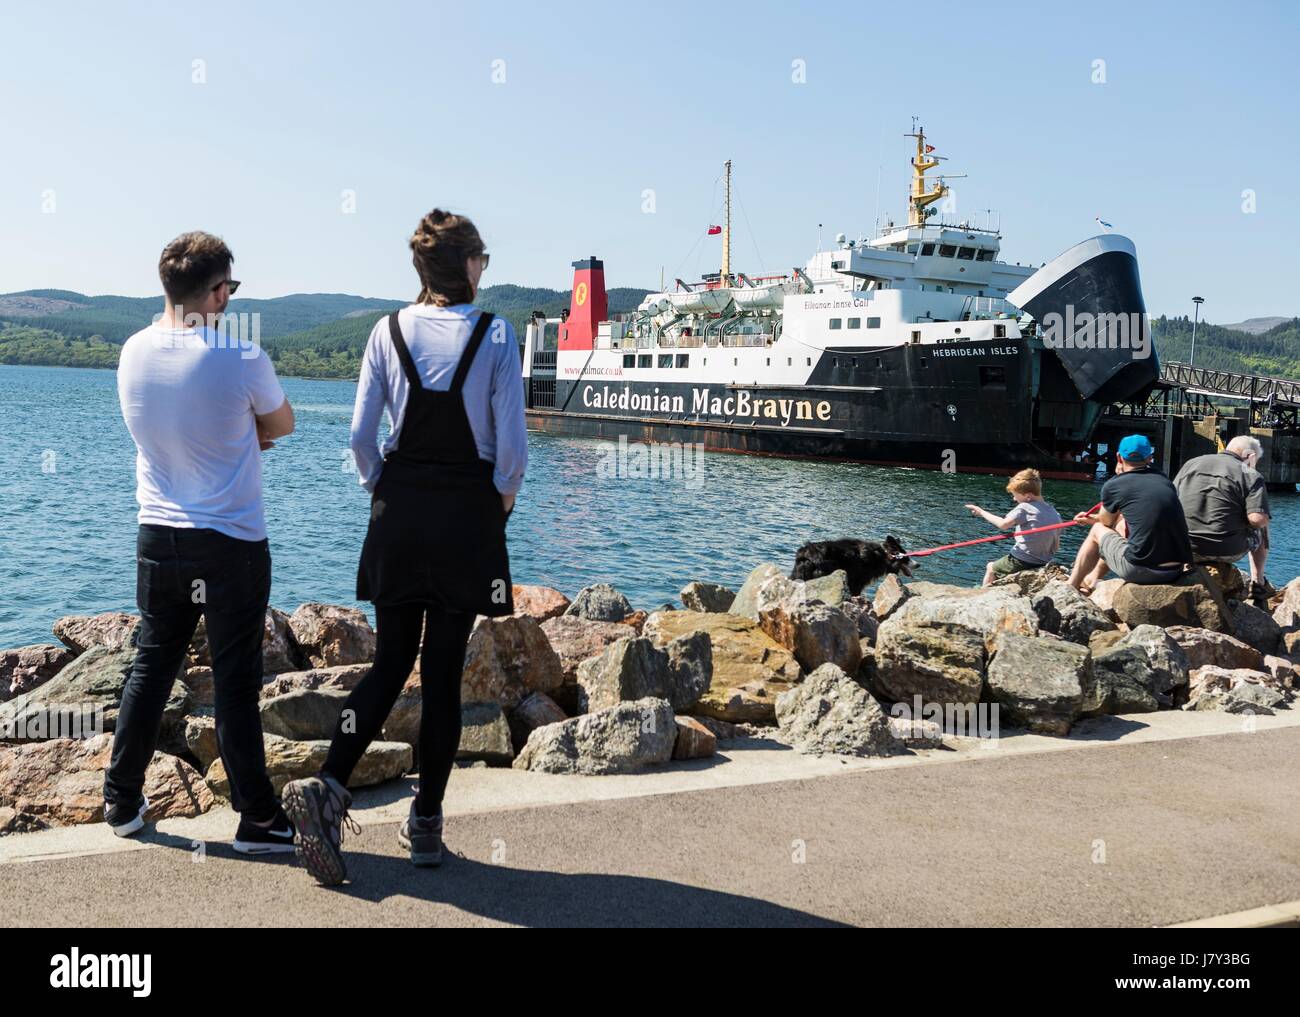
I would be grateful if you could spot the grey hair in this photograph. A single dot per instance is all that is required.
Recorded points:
(1245, 444)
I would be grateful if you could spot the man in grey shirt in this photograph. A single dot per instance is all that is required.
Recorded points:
(1226, 503)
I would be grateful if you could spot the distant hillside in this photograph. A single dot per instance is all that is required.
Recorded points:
(334, 350)
(1275, 352)
(318, 335)
(1254, 326)
(117, 318)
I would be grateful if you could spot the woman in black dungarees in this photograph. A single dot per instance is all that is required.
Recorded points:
(435, 551)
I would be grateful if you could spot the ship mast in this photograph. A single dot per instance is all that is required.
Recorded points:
(726, 233)
(921, 162)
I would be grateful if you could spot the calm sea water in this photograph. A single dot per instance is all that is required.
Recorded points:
(67, 521)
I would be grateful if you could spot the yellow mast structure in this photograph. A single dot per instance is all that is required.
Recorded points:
(726, 233)
(920, 197)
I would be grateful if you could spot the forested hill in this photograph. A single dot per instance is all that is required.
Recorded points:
(1274, 352)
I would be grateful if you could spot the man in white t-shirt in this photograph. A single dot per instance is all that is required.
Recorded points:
(201, 406)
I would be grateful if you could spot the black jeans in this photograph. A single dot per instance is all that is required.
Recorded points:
(397, 644)
(182, 574)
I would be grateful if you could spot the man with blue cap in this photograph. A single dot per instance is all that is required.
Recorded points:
(1157, 546)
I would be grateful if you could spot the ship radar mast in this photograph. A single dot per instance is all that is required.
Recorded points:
(726, 233)
(920, 198)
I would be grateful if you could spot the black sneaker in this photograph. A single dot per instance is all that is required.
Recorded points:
(125, 820)
(318, 808)
(422, 838)
(251, 839)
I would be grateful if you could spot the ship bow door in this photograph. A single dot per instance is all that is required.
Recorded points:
(1090, 313)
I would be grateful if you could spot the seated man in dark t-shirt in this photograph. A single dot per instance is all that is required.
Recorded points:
(1157, 547)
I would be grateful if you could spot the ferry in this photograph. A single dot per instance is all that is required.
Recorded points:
(918, 347)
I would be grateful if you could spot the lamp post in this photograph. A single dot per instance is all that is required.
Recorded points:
(1198, 301)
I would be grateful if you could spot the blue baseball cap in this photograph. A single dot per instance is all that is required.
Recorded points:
(1136, 448)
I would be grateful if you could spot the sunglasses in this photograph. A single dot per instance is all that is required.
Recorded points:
(232, 283)
(485, 258)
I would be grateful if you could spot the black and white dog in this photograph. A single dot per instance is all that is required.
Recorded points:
(865, 561)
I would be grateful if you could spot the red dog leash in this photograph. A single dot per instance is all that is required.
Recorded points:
(997, 536)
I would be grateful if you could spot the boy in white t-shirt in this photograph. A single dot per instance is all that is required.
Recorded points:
(200, 408)
(1031, 551)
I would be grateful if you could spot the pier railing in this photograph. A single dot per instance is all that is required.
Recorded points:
(1226, 384)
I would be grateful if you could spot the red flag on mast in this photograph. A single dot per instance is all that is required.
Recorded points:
(714, 230)
(929, 149)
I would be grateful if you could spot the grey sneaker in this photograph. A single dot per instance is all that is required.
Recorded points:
(422, 837)
(318, 808)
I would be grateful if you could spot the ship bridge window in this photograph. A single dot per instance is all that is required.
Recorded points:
(855, 323)
(913, 248)
(629, 360)
(965, 254)
(683, 359)
(836, 322)
(643, 360)
(927, 250)
(665, 360)
(837, 266)
(947, 250)
(986, 254)
(873, 323)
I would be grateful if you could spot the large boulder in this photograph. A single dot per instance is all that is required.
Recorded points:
(891, 594)
(987, 612)
(61, 783)
(344, 677)
(828, 712)
(1193, 600)
(621, 739)
(1255, 627)
(637, 668)
(815, 632)
(26, 667)
(1233, 690)
(599, 602)
(304, 715)
(539, 602)
(694, 739)
(1040, 682)
(1064, 611)
(83, 699)
(485, 734)
(1205, 646)
(288, 760)
(201, 739)
(536, 711)
(938, 661)
(750, 668)
(279, 651)
(113, 630)
(575, 640)
(1287, 610)
(506, 659)
(328, 635)
(1103, 594)
(1031, 582)
(1118, 683)
(1147, 655)
(745, 603)
(861, 612)
(709, 597)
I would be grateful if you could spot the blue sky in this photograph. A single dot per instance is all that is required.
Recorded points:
(397, 103)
